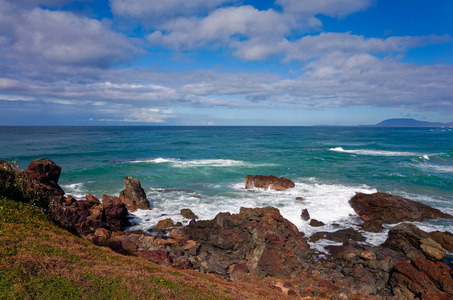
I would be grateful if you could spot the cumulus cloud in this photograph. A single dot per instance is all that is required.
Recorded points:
(155, 11)
(334, 8)
(225, 25)
(58, 37)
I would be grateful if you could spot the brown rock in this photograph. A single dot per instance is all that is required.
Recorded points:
(134, 196)
(445, 239)
(5, 165)
(265, 182)
(44, 170)
(392, 209)
(260, 238)
(413, 242)
(92, 199)
(114, 212)
(316, 223)
(188, 214)
(166, 223)
(420, 278)
(305, 215)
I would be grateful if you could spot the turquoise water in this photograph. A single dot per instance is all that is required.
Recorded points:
(328, 165)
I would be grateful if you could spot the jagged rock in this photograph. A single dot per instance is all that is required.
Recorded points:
(373, 226)
(134, 196)
(259, 238)
(115, 213)
(316, 223)
(413, 242)
(421, 278)
(164, 224)
(5, 165)
(445, 239)
(188, 214)
(392, 209)
(44, 170)
(305, 215)
(265, 182)
(343, 235)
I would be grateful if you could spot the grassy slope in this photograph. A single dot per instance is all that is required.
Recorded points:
(39, 260)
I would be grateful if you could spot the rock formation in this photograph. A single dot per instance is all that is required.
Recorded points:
(133, 195)
(265, 182)
(382, 208)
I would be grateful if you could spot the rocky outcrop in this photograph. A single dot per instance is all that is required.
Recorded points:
(259, 239)
(265, 182)
(342, 235)
(413, 243)
(382, 208)
(422, 279)
(134, 195)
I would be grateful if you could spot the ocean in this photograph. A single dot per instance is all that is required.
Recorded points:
(203, 168)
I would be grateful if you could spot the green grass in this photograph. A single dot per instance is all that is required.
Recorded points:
(39, 260)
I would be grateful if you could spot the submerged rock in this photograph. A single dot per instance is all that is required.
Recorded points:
(265, 182)
(389, 209)
(305, 215)
(133, 195)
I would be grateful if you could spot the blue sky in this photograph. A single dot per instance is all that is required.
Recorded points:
(225, 62)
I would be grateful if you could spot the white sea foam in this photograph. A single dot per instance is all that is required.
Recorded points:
(373, 152)
(325, 202)
(178, 163)
(430, 167)
(75, 189)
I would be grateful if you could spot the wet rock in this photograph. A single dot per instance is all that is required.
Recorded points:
(413, 243)
(115, 213)
(316, 223)
(188, 214)
(305, 215)
(265, 182)
(390, 209)
(342, 236)
(300, 198)
(259, 238)
(164, 224)
(133, 195)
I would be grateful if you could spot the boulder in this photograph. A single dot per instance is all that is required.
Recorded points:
(164, 224)
(133, 195)
(115, 213)
(413, 243)
(258, 238)
(316, 223)
(390, 209)
(47, 173)
(188, 214)
(305, 215)
(265, 182)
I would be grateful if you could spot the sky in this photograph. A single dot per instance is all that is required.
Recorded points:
(225, 62)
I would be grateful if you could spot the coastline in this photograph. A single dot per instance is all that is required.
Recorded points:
(260, 243)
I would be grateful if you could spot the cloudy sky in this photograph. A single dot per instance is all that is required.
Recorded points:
(225, 62)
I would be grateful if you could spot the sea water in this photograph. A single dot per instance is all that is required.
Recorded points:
(203, 168)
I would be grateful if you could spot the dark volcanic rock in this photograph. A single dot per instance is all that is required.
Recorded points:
(316, 223)
(259, 238)
(342, 236)
(134, 196)
(413, 243)
(47, 173)
(392, 209)
(264, 182)
(421, 278)
(115, 213)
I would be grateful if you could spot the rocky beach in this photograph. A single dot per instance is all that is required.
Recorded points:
(259, 243)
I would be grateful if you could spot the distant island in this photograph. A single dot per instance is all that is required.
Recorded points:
(408, 122)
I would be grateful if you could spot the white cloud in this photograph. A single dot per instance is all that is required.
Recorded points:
(156, 11)
(225, 25)
(334, 8)
(57, 37)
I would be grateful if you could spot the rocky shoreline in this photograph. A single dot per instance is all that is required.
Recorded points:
(258, 243)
